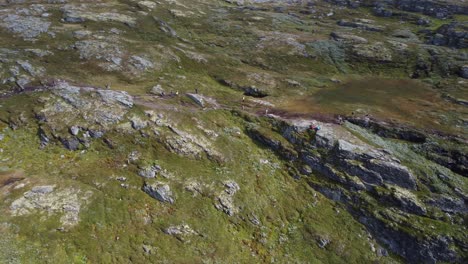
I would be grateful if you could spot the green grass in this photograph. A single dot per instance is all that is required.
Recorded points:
(112, 227)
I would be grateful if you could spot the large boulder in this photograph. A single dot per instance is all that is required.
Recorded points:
(159, 191)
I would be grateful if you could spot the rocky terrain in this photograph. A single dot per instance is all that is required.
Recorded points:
(179, 131)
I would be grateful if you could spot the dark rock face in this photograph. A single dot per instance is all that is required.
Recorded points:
(255, 92)
(389, 130)
(358, 171)
(70, 143)
(464, 71)
(433, 8)
(248, 90)
(276, 145)
(382, 12)
(451, 35)
(454, 159)
(450, 204)
(356, 164)
(427, 251)
(393, 173)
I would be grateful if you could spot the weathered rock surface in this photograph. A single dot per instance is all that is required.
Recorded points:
(180, 230)
(203, 101)
(224, 201)
(94, 110)
(186, 144)
(51, 200)
(75, 14)
(28, 27)
(374, 52)
(350, 155)
(159, 191)
(149, 171)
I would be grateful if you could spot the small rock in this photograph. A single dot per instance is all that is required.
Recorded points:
(133, 156)
(158, 90)
(198, 99)
(254, 220)
(96, 133)
(70, 143)
(148, 249)
(231, 187)
(382, 252)
(149, 171)
(138, 123)
(323, 242)
(74, 130)
(179, 230)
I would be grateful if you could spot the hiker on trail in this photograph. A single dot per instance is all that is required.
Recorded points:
(340, 120)
(196, 90)
(266, 111)
(314, 127)
(243, 98)
(367, 119)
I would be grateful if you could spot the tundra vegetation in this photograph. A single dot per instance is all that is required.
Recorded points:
(179, 131)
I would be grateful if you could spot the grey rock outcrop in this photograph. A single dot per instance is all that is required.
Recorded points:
(375, 186)
(159, 191)
(89, 113)
(179, 230)
(76, 14)
(345, 153)
(28, 27)
(224, 201)
(149, 171)
(52, 200)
